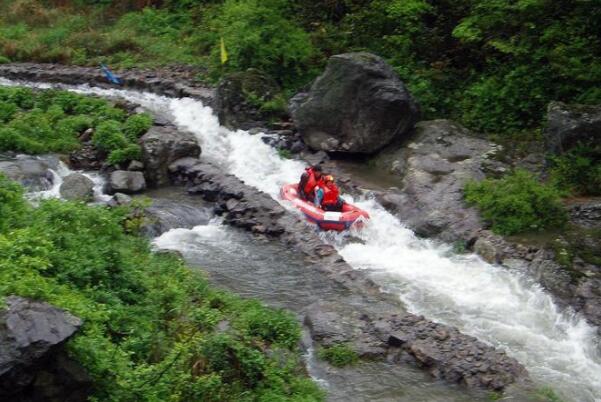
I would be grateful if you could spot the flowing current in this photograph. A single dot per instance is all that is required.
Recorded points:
(497, 305)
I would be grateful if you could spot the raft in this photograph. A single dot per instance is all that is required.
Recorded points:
(325, 220)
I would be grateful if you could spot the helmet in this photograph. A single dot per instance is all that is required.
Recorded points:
(328, 178)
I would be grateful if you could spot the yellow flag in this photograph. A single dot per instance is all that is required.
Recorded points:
(223, 52)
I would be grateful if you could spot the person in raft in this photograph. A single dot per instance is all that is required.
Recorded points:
(308, 181)
(327, 195)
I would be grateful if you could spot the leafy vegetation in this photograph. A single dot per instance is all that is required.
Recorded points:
(579, 170)
(517, 203)
(339, 355)
(37, 122)
(153, 329)
(493, 64)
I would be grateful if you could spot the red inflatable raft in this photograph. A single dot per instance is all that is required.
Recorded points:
(338, 221)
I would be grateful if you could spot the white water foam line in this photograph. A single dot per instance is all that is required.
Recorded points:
(497, 305)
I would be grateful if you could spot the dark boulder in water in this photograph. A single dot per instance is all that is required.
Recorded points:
(358, 105)
(568, 125)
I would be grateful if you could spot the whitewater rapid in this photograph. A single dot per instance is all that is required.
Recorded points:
(495, 304)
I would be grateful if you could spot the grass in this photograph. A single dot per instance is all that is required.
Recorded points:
(339, 355)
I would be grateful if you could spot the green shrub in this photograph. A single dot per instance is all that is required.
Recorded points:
(339, 355)
(129, 153)
(579, 170)
(148, 319)
(516, 203)
(275, 326)
(7, 111)
(109, 136)
(136, 125)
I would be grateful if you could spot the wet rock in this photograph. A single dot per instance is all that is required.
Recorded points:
(76, 186)
(32, 172)
(166, 81)
(435, 165)
(126, 182)
(33, 363)
(119, 199)
(135, 166)
(358, 105)
(567, 125)
(160, 147)
(586, 213)
(164, 215)
(486, 250)
(88, 157)
(441, 350)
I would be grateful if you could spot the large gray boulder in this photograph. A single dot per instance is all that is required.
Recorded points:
(124, 181)
(32, 172)
(434, 166)
(567, 125)
(33, 364)
(76, 186)
(358, 105)
(163, 145)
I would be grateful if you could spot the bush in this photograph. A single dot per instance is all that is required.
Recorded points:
(339, 355)
(579, 170)
(109, 137)
(129, 153)
(517, 203)
(137, 125)
(148, 319)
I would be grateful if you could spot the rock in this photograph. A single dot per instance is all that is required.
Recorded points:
(160, 147)
(31, 172)
(33, 363)
(487, 251)
(358, 105)
(586, 213)
(164, 215)
(88, 157)
(126, 182)
(569, 124)
(76, 186)
(434, 167)
(119, 199)
(232, 104)
(135, 166)
(86, 136)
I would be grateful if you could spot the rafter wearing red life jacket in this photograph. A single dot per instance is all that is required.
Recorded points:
(328, 195)
(308, 182)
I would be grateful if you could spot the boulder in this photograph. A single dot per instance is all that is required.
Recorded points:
(126, 182)
(32, 172)
(33, 364)
(119, 199)
(76, 186)
(88, 157)
(567, 125)
(434, 167)
(358, 105)
(238, 96)
(160, 147)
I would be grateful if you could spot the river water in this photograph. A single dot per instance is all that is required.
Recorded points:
(496, 304)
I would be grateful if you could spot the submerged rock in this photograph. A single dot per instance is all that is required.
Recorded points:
(358, 105)
(160, 147)
(33, 363)
(76, 186)
(126, 182)
(568, 125)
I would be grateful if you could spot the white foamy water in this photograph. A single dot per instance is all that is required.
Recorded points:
(497, 305)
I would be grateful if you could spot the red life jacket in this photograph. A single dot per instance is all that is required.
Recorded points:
(311, 182)
(330, 194)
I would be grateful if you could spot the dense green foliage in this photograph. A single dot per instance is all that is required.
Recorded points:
(153, 329)
(493, 64)
(579, 170)
(37, 122)
(339, 355)
(517, 203)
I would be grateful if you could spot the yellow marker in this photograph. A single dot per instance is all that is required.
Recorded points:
(223, 52)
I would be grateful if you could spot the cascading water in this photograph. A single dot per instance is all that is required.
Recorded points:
(497, 305)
